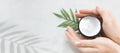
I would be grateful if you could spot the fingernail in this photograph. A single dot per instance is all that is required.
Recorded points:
(77, 43)
(76, 14)
(68, 27)
(98, 7)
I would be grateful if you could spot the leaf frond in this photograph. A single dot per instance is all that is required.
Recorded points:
(70, 19)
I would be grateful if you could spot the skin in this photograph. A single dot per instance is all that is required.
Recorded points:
(108, 44)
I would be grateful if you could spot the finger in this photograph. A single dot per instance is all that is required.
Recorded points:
(105, 14)
(74, 34)
(88, 50)
(71, 39)
(88, 11)
(81, 15)
(80, 43)
(85, 43)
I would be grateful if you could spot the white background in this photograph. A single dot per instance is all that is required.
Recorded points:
(36, 16)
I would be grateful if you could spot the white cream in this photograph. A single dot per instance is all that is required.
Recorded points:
(89, 26)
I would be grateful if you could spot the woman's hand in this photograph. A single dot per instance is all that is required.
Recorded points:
(109, 24)
(98, 45)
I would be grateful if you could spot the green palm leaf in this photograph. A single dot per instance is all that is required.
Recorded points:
(70, 19)
(58, 15)
(65, 14)
(65, 23)
(72, 15)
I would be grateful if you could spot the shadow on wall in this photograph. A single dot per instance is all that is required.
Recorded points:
(13, 40)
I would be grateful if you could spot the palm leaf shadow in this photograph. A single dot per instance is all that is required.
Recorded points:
(17, 40)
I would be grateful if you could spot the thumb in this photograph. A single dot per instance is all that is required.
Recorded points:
(103, 13)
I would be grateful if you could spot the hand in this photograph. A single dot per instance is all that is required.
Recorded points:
(109, 24)
(98, 45)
